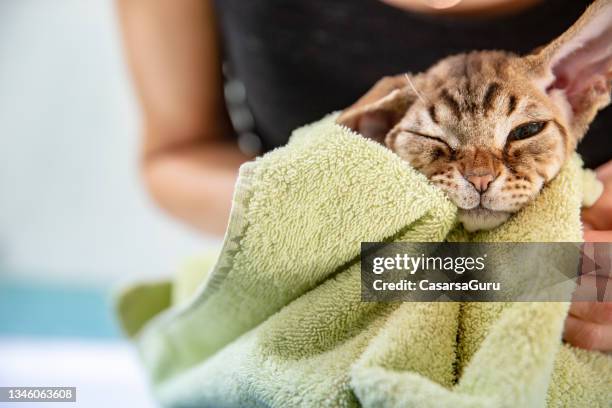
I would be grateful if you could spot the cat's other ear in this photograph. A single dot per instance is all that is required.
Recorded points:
(575, 70)
(380, 109)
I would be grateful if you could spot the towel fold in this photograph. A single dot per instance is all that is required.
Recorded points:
(278, 322)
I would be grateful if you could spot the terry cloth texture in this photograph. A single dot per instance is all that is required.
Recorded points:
(278, 322)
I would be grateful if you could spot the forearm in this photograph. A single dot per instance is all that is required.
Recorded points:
(195, 182)
(187, 162)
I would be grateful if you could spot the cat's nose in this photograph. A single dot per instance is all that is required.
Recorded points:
(480, 183)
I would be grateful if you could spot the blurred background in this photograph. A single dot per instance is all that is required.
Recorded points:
(75, 221)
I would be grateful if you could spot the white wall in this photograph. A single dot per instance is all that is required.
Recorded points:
(71, 203)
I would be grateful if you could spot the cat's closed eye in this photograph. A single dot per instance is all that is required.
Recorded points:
(430, 137)
(526, 130)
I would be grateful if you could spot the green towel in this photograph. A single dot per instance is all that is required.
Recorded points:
(278, 322)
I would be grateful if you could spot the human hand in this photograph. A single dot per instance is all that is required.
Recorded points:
(597, 219)
(589, 324)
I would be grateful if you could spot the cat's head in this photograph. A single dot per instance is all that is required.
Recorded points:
(491, 128)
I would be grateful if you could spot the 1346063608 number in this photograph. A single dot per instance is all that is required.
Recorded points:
(38, 394)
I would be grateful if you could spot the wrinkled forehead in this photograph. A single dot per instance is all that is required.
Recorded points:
(483, 83)
(477, 106)
(481, 97)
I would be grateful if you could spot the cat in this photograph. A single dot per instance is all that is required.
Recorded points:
(491, 128)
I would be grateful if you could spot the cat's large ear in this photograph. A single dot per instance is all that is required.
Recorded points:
(380, 109)
(576, 68)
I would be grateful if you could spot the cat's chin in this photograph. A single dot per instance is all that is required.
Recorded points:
(481, 218)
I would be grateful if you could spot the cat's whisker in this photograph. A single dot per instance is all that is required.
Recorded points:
(416, 91)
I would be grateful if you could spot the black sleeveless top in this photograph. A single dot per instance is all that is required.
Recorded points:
(301, 59)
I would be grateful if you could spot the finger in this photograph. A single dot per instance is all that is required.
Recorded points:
(597, 236)
(604, 171)
(587, 226)
(588, 223)
(588, 335)
(594, 312)
(599, 215)
(593, 289)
